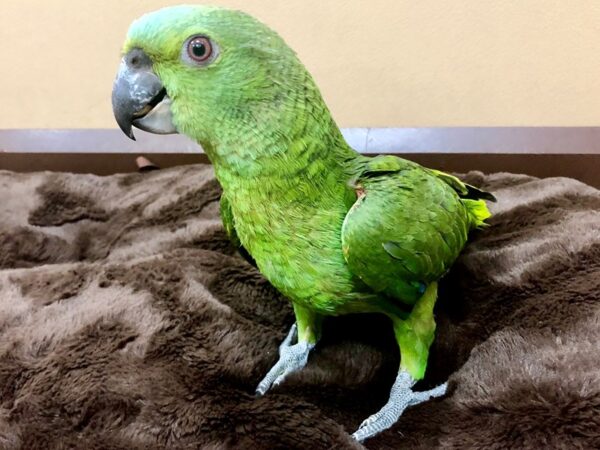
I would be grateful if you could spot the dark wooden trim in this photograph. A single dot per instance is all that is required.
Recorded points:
(540, 151)
(504, 140)
(96, 163)
(585, 167)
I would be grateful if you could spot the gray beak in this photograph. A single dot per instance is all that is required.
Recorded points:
(139, 99)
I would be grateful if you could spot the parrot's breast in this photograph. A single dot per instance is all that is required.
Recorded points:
(296, 245)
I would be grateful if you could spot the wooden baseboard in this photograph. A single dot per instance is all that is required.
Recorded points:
(540, 151)
(584, 167)
(96, 163)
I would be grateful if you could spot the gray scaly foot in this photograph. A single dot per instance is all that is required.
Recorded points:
(291, 359)
(401, 397)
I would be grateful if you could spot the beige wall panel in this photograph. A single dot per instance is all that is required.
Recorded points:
(379, 62)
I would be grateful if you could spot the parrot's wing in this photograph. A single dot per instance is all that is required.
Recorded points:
(229, 225)
(464, 190)
(388, 164)
(406, 227)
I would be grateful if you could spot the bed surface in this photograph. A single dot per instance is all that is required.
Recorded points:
(127, 321)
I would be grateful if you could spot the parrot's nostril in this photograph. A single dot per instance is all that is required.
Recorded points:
(137, 59)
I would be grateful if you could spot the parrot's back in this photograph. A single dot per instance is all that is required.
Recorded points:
(408, 226)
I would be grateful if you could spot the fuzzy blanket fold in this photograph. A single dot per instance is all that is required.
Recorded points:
(127, 321)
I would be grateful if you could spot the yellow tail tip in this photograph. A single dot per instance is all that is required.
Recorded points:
(478, 211)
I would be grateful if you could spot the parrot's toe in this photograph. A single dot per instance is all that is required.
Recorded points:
(401, 397)
(291, 359)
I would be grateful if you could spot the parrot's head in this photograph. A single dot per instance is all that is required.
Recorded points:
(210, 73)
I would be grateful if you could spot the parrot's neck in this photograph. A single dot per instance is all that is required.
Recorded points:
(301, 154)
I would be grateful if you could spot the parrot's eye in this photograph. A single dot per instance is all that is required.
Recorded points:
(199, 50)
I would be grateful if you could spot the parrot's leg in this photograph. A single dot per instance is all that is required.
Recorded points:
(414, 336)
(293, 357)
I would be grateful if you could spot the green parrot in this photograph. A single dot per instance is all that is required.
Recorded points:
(334, 231)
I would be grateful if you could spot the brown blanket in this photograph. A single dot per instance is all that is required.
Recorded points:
(127, 321)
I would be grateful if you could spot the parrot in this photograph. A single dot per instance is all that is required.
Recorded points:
(335, 231)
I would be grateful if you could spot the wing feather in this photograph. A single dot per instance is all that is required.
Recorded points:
(406, 228)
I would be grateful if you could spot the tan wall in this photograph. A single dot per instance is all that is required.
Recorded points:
(379, 62)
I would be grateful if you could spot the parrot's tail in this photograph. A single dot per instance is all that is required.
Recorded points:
(478, 212)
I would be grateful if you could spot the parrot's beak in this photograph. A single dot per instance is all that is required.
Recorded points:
(139, 98)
